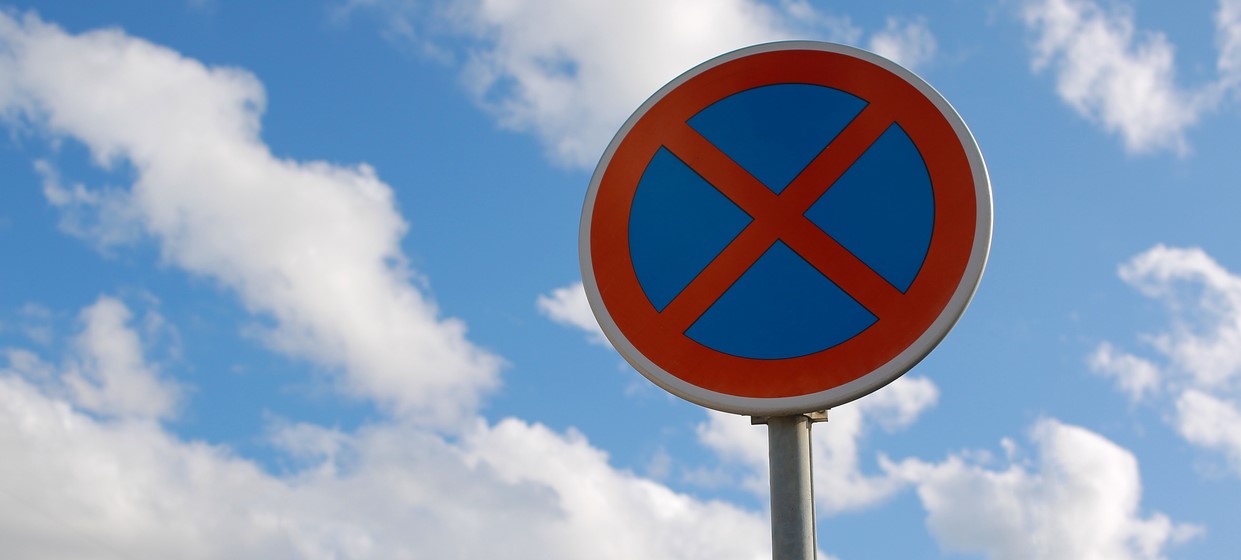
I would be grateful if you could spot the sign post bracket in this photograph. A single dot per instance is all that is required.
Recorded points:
(793, 535)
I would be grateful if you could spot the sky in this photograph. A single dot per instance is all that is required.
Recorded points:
(301, 280)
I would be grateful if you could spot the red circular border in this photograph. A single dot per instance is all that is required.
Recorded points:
(942, 272)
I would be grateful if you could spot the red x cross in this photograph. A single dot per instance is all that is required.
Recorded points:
(780, 217)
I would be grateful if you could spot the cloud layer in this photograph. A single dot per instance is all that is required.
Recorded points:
(77, 486)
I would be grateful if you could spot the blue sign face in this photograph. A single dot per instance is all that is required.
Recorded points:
(881, 209)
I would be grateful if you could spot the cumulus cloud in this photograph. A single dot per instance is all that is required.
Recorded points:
(88, 474)
(612, 513)
(568, 306)
(570, 72)
(105, 370)
(1124, 79)
(312, 248)
(1196, 362)
(109, 374)
(840, 484)
(1110, 73)
(80, 487)
(1211, 422)
(1204, 341)
(1137, 377)
(1078, 498)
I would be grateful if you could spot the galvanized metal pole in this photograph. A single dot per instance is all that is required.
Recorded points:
(792, 488)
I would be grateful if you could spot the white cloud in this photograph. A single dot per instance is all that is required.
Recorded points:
(908, 43)
(614, 514)
(1079, 498)
(105, 370)
(1110, 73)
(78, 487)
(1199, 354)
(312, 248)
(568, 306)
(29, 365)
(109, 374)
(1204, 342)
(1211, 422)
(840, 485)
(1135, 376)
(1228, 39)
(839, 481)
(735, 441)
(570, 72)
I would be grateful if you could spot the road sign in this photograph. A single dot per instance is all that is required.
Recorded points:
(785, 228)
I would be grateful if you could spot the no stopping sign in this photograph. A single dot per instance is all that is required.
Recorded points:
(785, 228)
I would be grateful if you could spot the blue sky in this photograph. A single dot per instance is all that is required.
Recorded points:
(300, 280)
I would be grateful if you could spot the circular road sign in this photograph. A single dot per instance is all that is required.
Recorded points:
(785, 228)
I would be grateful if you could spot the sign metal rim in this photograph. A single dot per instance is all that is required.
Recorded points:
(863, 385)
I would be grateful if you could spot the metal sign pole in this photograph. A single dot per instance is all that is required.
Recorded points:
(792, 487)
